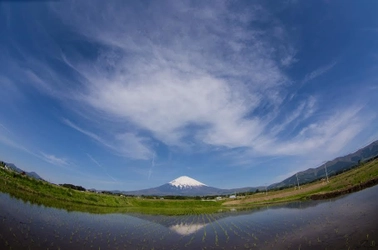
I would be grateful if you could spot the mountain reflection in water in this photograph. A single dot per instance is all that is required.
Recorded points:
(346, 222)
(186, 229)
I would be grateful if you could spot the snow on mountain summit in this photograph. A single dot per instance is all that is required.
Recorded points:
(186, 182)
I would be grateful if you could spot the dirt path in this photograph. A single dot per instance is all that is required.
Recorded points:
(261, 197)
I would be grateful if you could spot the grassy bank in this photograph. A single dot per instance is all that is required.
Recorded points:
(45, 193)
(355, 179)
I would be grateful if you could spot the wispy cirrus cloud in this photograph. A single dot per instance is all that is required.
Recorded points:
(102, 167)
(188, 76)
(328, 135)
(125, 144)
(195, 85)
(195, 88)
(319, 71)
(11, 140)
(54, 159)
(4, 128)
(294, 117)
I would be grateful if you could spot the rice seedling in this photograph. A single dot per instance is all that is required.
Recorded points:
(43, 227)
(204, 235)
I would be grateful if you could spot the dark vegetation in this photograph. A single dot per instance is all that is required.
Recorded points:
(79, 188)
(76, 198)
(362, 176)
(69, 198)
(347, 190)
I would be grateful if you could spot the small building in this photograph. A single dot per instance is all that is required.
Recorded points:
(233, 196)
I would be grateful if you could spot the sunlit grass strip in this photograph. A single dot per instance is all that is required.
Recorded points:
(44, 193)
(351, 180)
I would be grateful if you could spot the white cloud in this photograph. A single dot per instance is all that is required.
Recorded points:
(125, 144)
(169, 105)
(103, 168)
(329, 135)
(203, 76)
(318, 72)
(133, 146)
(177, 77)
(11, 140)
(2, 127)
(294, 117)
(87, 133)
(95, 161)
(54, 159)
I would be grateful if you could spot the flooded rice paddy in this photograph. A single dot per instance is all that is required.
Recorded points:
(348, 222)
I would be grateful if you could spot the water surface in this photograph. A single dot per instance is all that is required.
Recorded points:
(346, 222)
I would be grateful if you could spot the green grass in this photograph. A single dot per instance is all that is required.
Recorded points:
(343, 181)
(45, 193)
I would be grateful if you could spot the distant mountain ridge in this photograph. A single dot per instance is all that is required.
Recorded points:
(186, 186)
(18, 170)
(335, 166)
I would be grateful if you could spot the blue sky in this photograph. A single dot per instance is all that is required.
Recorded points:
(132, 94)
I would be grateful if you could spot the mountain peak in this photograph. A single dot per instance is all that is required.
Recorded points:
(186, 182)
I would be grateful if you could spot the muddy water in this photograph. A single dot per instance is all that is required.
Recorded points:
(346, 222)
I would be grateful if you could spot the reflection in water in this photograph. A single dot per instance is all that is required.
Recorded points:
(186, 229)
(346, 222)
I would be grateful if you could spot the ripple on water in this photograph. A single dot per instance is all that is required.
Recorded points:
(348, 221)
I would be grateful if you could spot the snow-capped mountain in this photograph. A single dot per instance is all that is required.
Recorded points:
(185, 186)
(186, 182)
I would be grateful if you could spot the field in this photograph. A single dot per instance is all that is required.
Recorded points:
(347, 222)
(47, 194)
(352, 180)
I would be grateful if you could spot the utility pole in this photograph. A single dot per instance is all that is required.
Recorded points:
(325, 166)
(297, 181)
